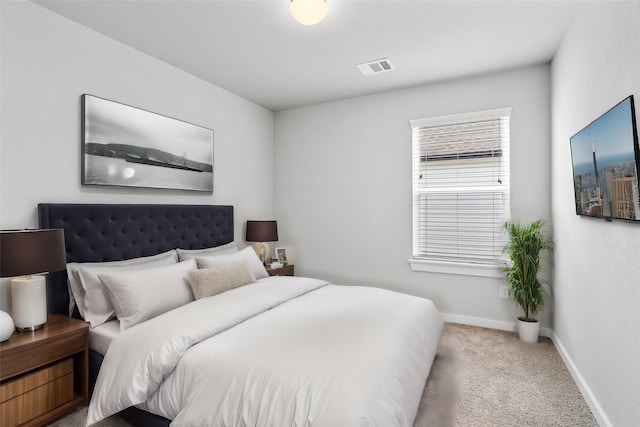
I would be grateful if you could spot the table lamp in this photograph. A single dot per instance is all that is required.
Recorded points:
(25, 253)
(262, 231)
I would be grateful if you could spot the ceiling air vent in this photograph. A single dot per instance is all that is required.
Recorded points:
(375, 67)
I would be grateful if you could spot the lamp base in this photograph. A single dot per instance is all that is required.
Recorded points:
(29, 302)
(30, 328)
(264, 252)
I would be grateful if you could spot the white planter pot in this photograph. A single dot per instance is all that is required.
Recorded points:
(528, 331)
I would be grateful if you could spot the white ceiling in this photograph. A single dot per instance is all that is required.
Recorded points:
(256, 50)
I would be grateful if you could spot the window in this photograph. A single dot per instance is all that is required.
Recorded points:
(460, 190)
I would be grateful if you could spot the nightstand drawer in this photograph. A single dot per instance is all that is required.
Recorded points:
(36, 393)
(286, 270)
(38, 355)
(44, 373)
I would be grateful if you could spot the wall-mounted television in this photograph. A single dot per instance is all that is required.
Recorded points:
(606, 158)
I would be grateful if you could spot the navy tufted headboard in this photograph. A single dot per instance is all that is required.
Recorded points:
(112, 232)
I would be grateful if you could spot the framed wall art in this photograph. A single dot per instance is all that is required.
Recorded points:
(127, 146)
(281, 255)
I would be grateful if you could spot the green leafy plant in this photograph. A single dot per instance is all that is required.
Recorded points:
(526, 242)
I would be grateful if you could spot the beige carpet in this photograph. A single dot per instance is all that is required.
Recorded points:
(484, 377)
(481, 377)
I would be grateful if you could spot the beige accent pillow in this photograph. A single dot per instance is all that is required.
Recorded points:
(211, 281)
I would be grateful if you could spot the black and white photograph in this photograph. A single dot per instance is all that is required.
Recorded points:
(281, 255)
(128, 146)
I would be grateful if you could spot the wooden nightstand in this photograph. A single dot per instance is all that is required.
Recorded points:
(287, 270)
(44, 373)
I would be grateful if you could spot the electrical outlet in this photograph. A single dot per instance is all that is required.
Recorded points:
(503, 291)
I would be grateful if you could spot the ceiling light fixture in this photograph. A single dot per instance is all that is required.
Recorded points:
(308, 12)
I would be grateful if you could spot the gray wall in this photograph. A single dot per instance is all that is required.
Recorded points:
(597, 274)
(342, 190)
(48, 61)
(341, 185)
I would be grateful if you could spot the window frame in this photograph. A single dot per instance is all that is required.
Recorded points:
(451, 266)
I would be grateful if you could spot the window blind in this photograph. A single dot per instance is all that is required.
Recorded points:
(461, 186)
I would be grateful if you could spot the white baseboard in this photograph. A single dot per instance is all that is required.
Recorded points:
(487, 323)
(591, 400)
(588, 396)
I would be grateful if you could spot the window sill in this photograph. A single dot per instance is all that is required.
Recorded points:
(465, 269)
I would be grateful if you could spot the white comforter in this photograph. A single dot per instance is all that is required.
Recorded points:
(284, 351)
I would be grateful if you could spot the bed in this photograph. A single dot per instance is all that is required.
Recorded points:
(269, 352)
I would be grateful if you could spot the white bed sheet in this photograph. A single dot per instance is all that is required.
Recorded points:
(282, 351)
(101, 336)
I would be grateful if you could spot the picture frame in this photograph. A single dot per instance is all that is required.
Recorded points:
(131, 147)
(281, 255)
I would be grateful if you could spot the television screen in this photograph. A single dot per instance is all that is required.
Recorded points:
(605, 157)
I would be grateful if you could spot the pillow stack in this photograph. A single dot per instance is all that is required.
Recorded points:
(90, 295)
(139, 289)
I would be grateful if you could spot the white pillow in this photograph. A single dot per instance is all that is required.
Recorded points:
(139, 295)
(97, 300)
(247, 255)
(211, 281)
(76, 289)
(184, 254)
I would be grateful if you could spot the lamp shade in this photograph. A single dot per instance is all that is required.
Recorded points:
(308, 12)
(24, 252)
(262, 231)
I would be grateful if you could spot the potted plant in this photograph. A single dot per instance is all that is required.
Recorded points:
(526, 242)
